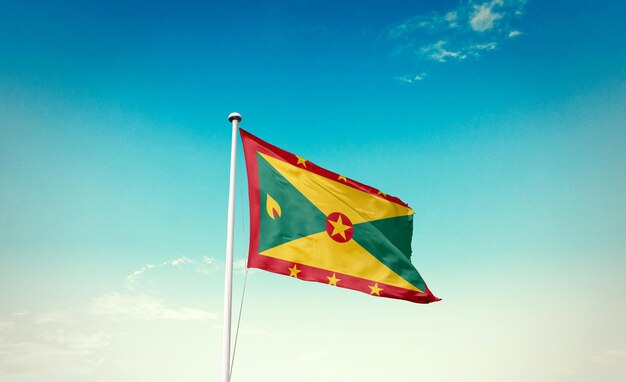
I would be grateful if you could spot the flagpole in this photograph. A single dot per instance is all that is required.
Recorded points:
(234, 118)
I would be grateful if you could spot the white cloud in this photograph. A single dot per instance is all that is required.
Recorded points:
(30, 351)
(452, 19)
(514, 33)
(402, 29)
(487, 46)
(429, 23)
(180, 261)
(208, 265)
(242, 266)
(470, 29)
(55, 316)
(484, 16)
(205, 265)
(6, 326)
(438, 53)
(79, 343)
(241, 263)
(409, 79)
(405, 79)
(64, 344)
(141, 307)
(133, 277)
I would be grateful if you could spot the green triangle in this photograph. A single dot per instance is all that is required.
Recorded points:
(299, 217)
(398, 231)
(389, 240)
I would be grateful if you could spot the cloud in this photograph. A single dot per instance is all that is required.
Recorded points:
(64, 343)
(142, 307)
(438, 53)
(514, 33)
(452, 18)
(242, 266)
(33, 349)
(470, 29)
(42, 358)
(484, 16)
(205, 265)
(208, 265)
(409, 79)
(180, 261)
(429, 23)
(6, 325)
(133, 277)
(79, 343)
(487, 46)
(55, 316)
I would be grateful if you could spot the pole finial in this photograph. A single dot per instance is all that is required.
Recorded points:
(236, 116)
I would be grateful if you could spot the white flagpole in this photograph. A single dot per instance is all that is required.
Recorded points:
(234, 118)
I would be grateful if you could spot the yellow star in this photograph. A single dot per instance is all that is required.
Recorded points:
(293, 272)
(341, 177)
(382, 193)
(339, 227)
(332, 280)
(301, 161)
(375, 289)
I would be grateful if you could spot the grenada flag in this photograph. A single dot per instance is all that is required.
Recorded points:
(315, 225)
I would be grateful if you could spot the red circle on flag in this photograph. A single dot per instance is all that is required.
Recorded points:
(339, 227)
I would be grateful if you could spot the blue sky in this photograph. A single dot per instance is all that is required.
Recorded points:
(500, 122)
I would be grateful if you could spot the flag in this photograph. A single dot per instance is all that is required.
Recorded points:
(315, 225)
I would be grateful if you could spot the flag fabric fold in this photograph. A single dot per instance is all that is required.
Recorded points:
(315, 225)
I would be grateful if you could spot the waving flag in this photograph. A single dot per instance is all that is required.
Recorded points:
(315, 225)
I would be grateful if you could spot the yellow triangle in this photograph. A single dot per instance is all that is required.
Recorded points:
(331, 196)
(320, 251)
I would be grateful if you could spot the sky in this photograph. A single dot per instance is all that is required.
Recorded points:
(501, 123)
